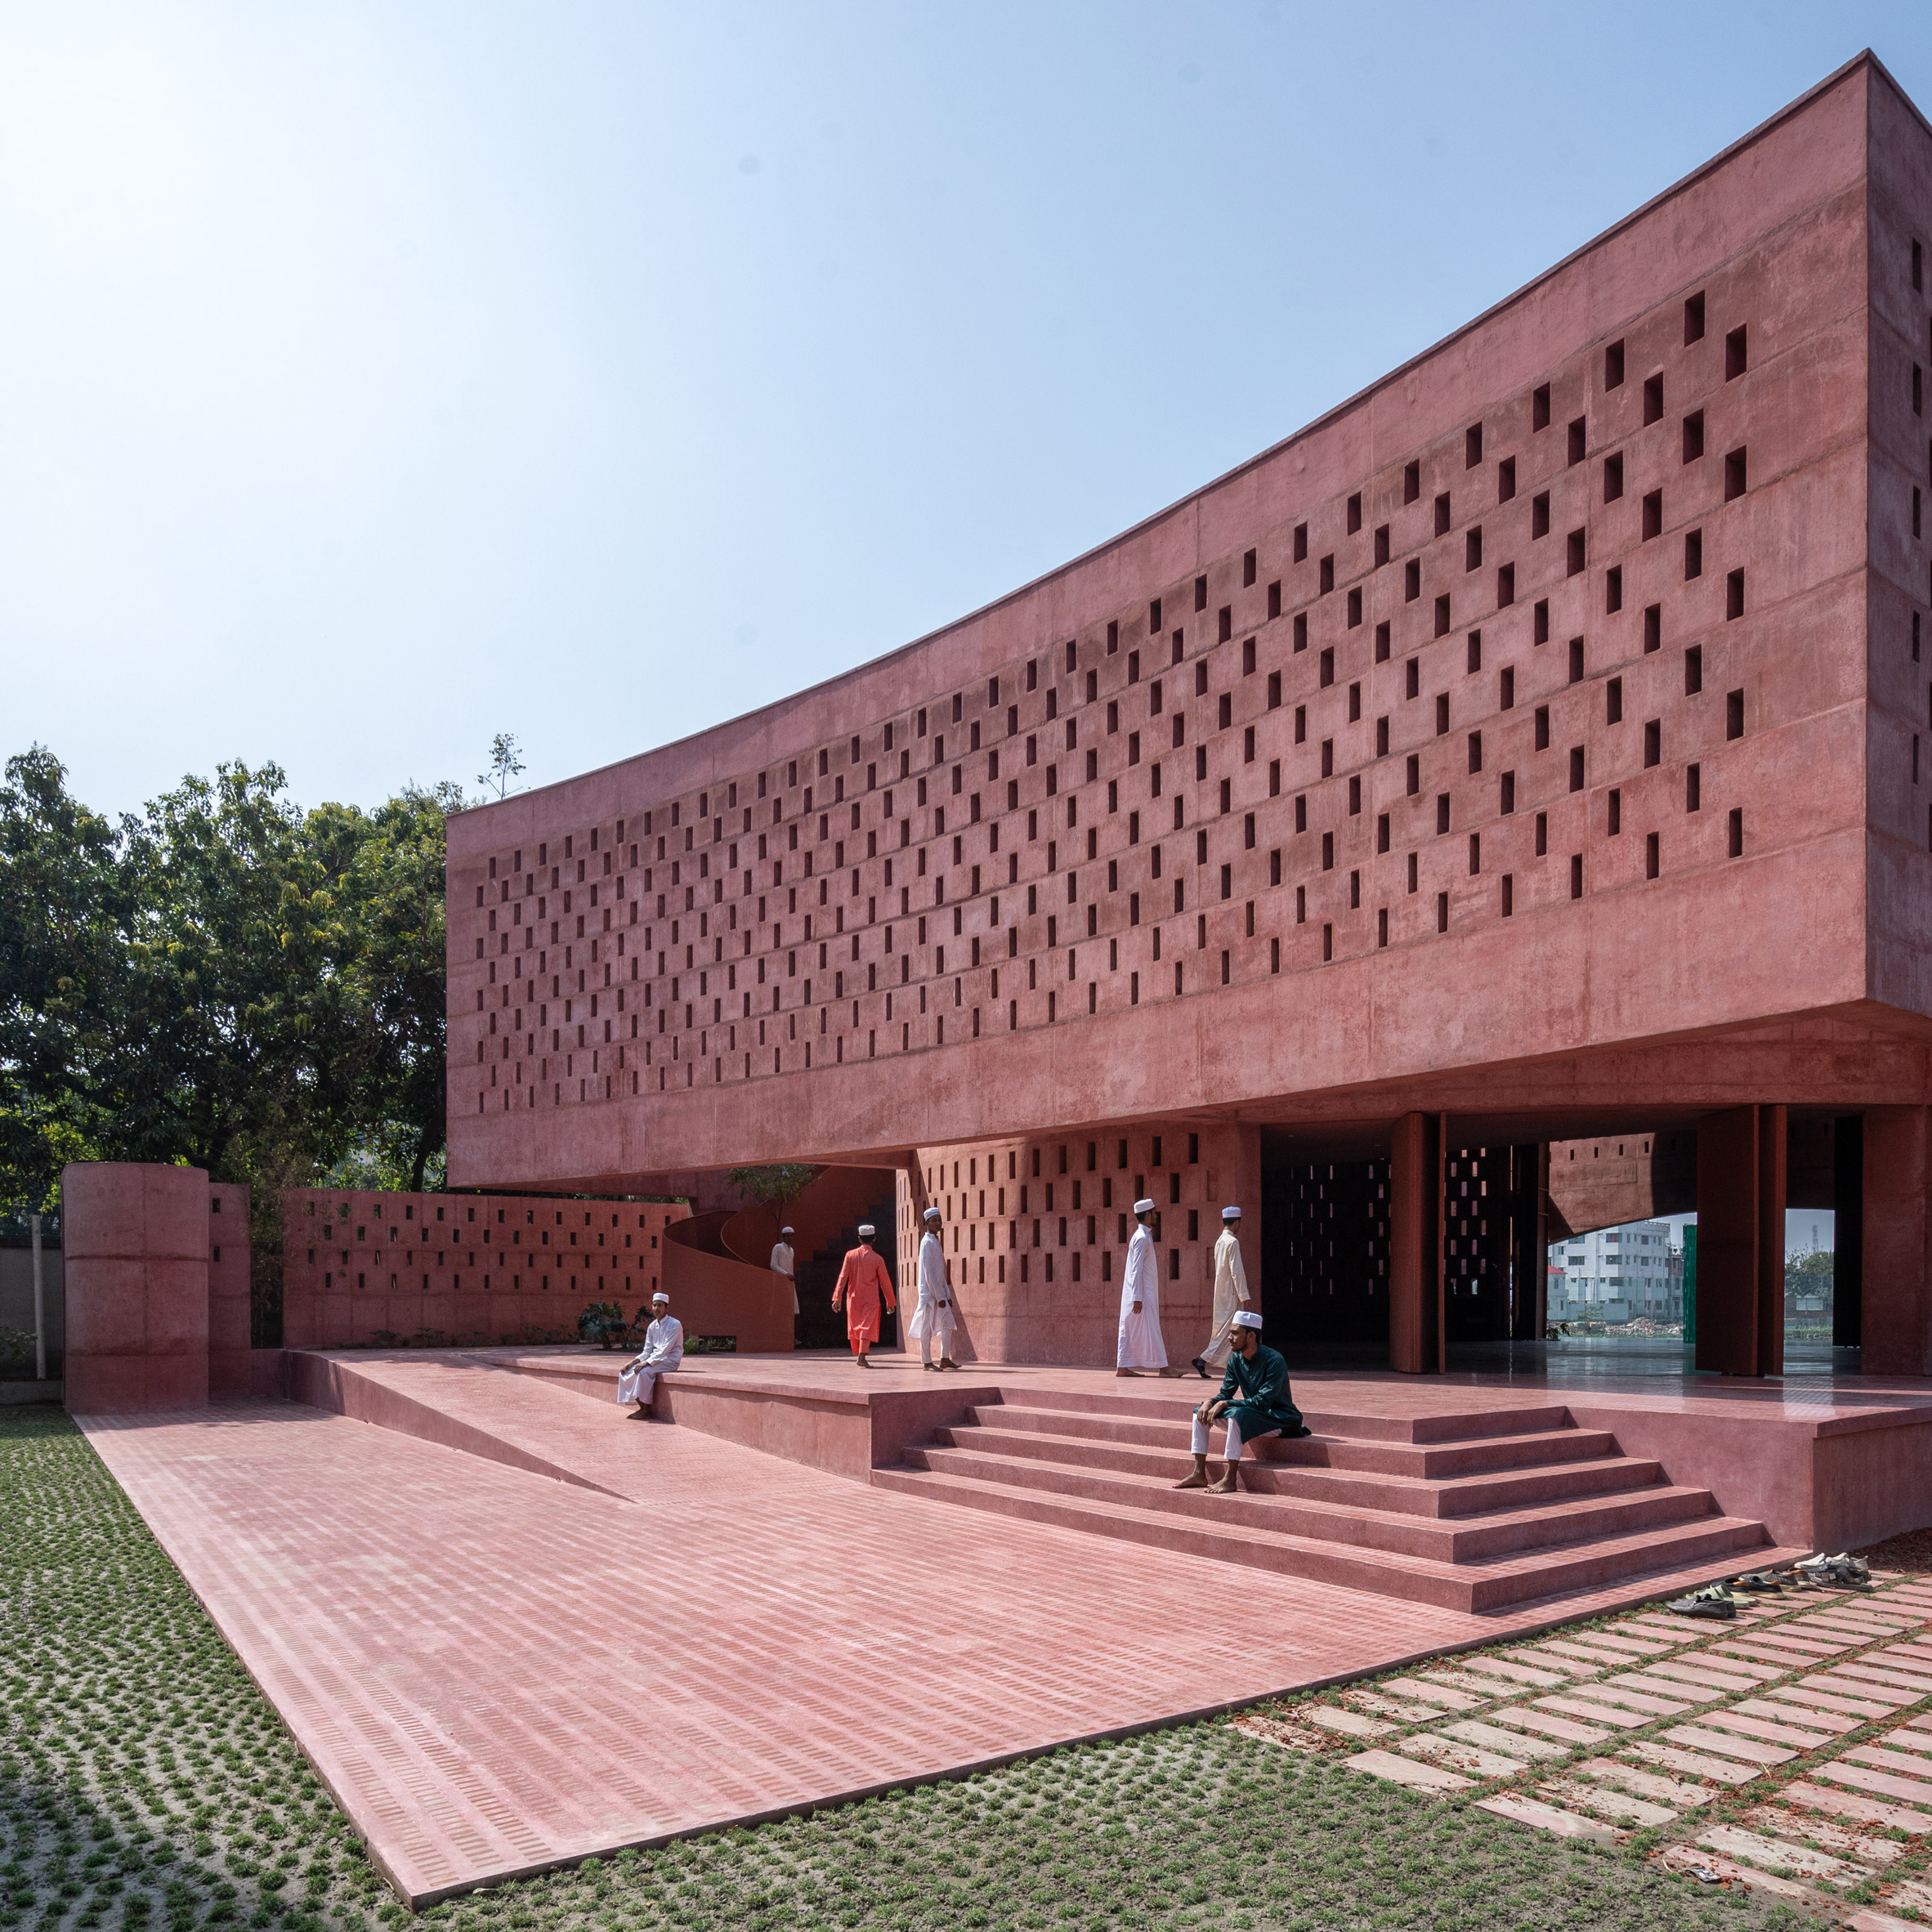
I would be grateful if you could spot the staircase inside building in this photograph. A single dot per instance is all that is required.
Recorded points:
(1478, 1511)
(818, 1274)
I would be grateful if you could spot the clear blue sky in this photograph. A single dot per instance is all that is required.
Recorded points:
(376, 378)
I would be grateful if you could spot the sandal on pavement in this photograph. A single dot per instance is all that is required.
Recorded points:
(1755, 1579)
(1715, 1601)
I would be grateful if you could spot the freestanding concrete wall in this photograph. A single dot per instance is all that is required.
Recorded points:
(136, 1239)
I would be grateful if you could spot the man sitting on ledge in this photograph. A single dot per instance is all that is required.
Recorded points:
(663, 1350)
(1253, 1399)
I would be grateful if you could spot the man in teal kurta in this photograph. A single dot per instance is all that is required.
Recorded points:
(1254, 1402)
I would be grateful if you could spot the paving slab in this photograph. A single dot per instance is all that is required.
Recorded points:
(1863, 1777)
(1761, 1727)
(1647, 1784)
(1420, 1777)
(1781, 1820)
(1694, 1763)
(1347, 1723)
(1696, 1737)
(1617, 1806)
(1867, 1811)
(1548, 1818)
(1459, 1755)
(1550, 1724)
(1509, 1743)
(1735, 1842)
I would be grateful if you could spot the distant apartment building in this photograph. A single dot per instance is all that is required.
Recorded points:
(1617, 1274)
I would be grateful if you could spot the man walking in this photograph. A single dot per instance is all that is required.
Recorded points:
(782, 1263)
(934, 1315)
(1231, 1294)
(663, 1350)
(862, 1280)
(1142, 1350)
(1254, 1401)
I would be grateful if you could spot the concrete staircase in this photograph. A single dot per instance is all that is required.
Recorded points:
(1478, 1511)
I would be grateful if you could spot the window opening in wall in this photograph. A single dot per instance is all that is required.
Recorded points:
(1733, 714)
(1613, 366)
(1576, 660)
(1653, 398)
(1654, 742)
(1507, 794)
(1201, 589)
(1576, 875)
(1540, 624)
(1381, 643)
(1414, 775)
(1354, 513)
(1694, 670)
(1539, 407)
(1540, 514)
(1472, 445)
(1442, 912)
(1354, 607)
(1113, 644)
(1301, 543)
(1542, 835)
(1654, 626)
(1653, 515)
(1153, 618)
(1247, 569)
(1412, 878)
(1613, 701)
(1734, 483)
(1247, 657)
(1693, 318)
(1412, 581)
(1693, 554)
(1413, 672)
(1411, 482)
(1442, 615)
(1734, 832)
(1505, 480)
(1542, 727)
(1442, 713)
(1693, 436)
(1650, 855)
(1301, 630)
(1734, 594)
(1693, 787)
(1443, 516)
(1274, 599)
(1736, 355)
(1576, 768)
(1577, 554)
(1506, 688)
(1613, 589)
(1475, 651)
(1381, 544)
(1612, 477)
(1579, 446)
(1613, 810)
(1327, 575)
(1471, 547)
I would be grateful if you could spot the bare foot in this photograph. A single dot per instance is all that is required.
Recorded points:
(1228, 1486)
(1195, 1479)
(1126, 1371)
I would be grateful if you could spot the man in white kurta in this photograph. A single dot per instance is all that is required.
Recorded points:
(1231, 1295)
(663, 1350)
(935, 1315)
(784, 1264)
(1142, 1350)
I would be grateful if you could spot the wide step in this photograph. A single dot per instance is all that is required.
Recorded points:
(1476, 1511)
(1497, 1584)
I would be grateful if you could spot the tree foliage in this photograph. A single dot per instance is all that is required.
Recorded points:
(223, 979)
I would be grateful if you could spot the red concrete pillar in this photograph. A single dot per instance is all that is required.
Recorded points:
(1897, 1244)
(1740, 1197)
(1416, 1314)
(136, 1242)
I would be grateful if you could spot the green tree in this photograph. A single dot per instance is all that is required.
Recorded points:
(774, 1188)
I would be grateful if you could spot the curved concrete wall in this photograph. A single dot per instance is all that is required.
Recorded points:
(136, 1242)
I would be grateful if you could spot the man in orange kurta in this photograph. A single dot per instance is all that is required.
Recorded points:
(862, 1280)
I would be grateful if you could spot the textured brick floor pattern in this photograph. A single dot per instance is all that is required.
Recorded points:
(497, 1670)
(1816, 1694)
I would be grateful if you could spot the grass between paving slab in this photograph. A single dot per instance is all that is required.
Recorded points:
(146, 1785)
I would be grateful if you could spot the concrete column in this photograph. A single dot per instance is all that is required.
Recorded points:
(1416, 1245)
(1898, 1233)
(1741, 1196)
(136, 1242)
(1848, 1204)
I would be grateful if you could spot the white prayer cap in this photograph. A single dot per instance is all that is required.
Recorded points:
(784, 1231)
(1143, 1207)
(1247, 1318)
(660, 1296)
(932, 1214)
(1231, 1214)
(866, 1230)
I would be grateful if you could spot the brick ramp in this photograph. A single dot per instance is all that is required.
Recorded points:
(1479, 1510)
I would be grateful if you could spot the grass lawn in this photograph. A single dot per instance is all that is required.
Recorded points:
(144, 1784)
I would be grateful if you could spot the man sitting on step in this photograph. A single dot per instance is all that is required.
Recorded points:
(1254, 1401)
(663, 1350)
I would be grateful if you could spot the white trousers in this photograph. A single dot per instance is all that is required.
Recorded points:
(945, 1347)
(636, 1384)
(1234, 1435)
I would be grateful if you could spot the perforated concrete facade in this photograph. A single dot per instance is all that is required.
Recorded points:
(1520, 740)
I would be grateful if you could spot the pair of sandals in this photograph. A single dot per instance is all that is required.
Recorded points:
(1842, 1571)
(937, 1365)
(1720, 1600)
